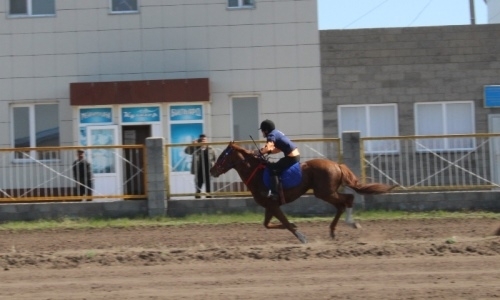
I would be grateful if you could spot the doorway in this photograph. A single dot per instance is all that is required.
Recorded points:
(133, 166)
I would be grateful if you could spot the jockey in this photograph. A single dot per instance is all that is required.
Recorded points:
(276, 142)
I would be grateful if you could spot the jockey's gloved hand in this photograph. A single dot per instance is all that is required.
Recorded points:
(259, 153)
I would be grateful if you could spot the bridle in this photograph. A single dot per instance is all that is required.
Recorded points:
(220, 170)
(218, 165)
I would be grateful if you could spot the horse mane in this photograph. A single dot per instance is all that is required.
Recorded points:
(246, 153)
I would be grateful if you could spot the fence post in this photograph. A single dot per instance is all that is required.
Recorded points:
(351, 157)
(155, 184)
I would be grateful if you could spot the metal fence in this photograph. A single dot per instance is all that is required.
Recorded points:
(47, 174)
(444, 162)
(181, 183)
(414, 163)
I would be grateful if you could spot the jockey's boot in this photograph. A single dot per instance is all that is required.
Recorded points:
(273, 194)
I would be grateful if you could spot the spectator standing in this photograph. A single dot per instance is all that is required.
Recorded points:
(203, 159)
(82, 173)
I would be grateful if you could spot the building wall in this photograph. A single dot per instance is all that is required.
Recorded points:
(271, 51)
(493, 7)
(408, 65)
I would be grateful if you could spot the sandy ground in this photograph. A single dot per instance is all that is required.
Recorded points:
(411, 259)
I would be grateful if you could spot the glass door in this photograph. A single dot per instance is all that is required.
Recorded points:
(105, 162)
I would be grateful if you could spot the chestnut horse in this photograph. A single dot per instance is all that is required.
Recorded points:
(323, 176)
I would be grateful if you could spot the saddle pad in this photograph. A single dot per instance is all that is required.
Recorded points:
(290, 178)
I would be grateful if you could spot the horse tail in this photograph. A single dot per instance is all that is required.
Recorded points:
(350, 180)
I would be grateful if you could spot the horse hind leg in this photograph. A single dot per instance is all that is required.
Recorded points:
(349, 200)
(341, 202)
(334, 200)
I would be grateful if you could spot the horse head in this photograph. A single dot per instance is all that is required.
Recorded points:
(232, 156)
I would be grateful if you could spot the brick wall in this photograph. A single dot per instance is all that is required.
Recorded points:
(408, 65)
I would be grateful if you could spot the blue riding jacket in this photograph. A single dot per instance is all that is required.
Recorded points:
(281, 141)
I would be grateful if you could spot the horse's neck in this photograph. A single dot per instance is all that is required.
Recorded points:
(248, 168)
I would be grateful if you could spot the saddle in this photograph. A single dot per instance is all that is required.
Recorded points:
(289, 178)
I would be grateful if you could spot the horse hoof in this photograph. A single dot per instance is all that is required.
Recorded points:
(332, 235)
(356, 225)
(301, 237)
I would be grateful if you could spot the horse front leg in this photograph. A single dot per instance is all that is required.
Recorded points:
(268, 215)
(267, 221)
(275, 211)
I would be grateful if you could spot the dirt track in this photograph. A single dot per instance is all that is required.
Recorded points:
(418, 259)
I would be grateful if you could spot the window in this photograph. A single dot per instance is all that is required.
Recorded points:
(245, 114)
(124, 6)
(443, 118)
(371, 121)
(35, 125)
(32, 7)
(240, 3)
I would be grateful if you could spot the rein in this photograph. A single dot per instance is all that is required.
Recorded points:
(259, 167)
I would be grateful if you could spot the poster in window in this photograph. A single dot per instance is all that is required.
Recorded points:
(183, 134)
(83, 136)
(102, 159)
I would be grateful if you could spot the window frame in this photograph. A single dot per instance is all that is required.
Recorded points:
(29, 12)
(32, 134)
(369, 145)
(254, 119)
(444, 118)
(120, 12)
(241, 5)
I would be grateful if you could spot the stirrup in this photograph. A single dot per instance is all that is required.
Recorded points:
(270, 194)
(273, 197)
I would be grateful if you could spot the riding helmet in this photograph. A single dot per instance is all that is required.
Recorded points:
(267, 125)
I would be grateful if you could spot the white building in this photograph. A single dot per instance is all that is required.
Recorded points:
(493, 7)
(96, 72)
(260, 60)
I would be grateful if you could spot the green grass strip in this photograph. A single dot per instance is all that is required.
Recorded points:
(220, 218)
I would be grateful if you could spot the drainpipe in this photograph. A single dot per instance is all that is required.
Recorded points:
(472, 13)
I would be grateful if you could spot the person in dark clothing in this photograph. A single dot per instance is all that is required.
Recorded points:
(203, 160)
(276, 142)
(82, 173)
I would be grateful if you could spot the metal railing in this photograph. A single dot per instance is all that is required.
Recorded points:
(181, 183)
(46, 174)
(414, 163)
(433, 162)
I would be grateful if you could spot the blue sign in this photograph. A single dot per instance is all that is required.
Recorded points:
(492, 96)
(96, 115)
(186, 113)
(140, 114)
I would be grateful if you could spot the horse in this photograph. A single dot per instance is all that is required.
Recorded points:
(323, 176)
